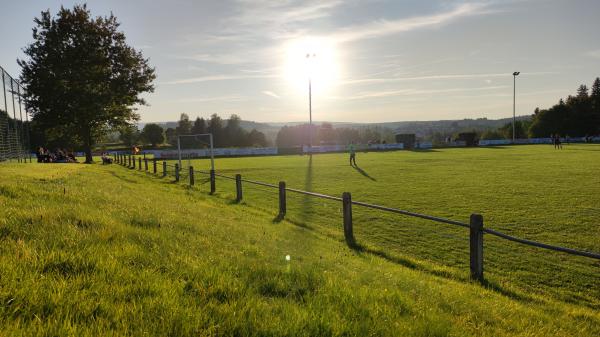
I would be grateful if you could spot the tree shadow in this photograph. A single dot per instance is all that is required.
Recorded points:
(490, 285)
(495, 147)
(363, 172)
(305, 203)
(422, 150)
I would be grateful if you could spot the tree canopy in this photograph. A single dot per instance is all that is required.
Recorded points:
(81, 77)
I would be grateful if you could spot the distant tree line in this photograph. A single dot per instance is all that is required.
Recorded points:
(577, 116)
(226, 133)
(326, 134)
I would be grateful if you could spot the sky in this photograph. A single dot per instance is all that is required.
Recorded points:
(369, 60)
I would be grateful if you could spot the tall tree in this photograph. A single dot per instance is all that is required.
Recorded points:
(129, 134)
(81, 76)
(199, 126)
(215, 126)
(595, 102)
(234, 135)
(153, 133)
(184, 125)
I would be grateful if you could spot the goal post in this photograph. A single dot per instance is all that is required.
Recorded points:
(210, 137)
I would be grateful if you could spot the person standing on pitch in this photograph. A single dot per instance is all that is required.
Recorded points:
(352, 154)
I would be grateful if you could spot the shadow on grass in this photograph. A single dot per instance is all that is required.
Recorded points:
(494, 147)
(490, 285)
(422, 150)
(306, 205)
(363, 172)
(120, 177)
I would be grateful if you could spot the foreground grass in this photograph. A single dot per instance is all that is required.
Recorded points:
(90, 250)
(533, 192)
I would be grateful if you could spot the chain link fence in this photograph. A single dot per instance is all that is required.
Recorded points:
(14, 121)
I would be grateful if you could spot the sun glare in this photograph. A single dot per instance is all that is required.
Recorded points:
(311, 59)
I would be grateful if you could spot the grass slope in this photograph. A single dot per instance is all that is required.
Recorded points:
(534, 192)
(90, 250)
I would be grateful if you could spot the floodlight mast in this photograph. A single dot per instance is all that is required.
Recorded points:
(515, 74)
(212, 155)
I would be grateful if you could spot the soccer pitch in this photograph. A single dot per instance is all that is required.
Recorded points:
(533, 192)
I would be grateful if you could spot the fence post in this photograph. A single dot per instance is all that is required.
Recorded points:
(213, 187)
(476, 246)
(140, 163)
(154, 166)
(238, 187)
(133, 160)
(347, 212)
(282, 199)
(145, 164)
(176, 172)
(191, 176)
(164, 168)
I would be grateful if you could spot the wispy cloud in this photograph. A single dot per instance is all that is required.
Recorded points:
(278, 13)
(594, 53)
(411, 92)
(386, 27)
(217, 78)
(270, 93)
(229, 98)
(437, 77)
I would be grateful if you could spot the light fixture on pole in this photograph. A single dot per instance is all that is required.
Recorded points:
(515, 74)
(309, 68)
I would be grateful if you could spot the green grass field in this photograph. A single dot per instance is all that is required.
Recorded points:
(91, 250)
(534, 192)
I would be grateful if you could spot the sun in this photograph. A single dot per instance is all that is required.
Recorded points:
(311, 59)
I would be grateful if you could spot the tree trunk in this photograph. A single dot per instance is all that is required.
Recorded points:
(88, 148)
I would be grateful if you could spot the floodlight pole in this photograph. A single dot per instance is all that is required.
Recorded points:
(515, 74)
(310, 115)
(310, 128)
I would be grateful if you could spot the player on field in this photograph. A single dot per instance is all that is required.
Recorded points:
(352, 154)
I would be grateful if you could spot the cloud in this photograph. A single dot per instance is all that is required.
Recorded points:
(270, 93)
(230, 98)
(278, 13)
(212, 78)
(437, 77)
(593, 53)
(411, 92)
(386, 27)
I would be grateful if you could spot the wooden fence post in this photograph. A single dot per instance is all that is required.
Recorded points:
(140, 163)
(133, 161)
(164, 168)
(476, 246)
(176, 172)
(347, 212)
(282, 199)
(238, 187)
(213, 186)
(191, 176)
(146, 164)
(154, 165)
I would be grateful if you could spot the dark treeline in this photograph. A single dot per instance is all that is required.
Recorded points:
(226, 133)
(577, 116)
(326, 134)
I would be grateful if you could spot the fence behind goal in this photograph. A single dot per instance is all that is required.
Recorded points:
(14, 120)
